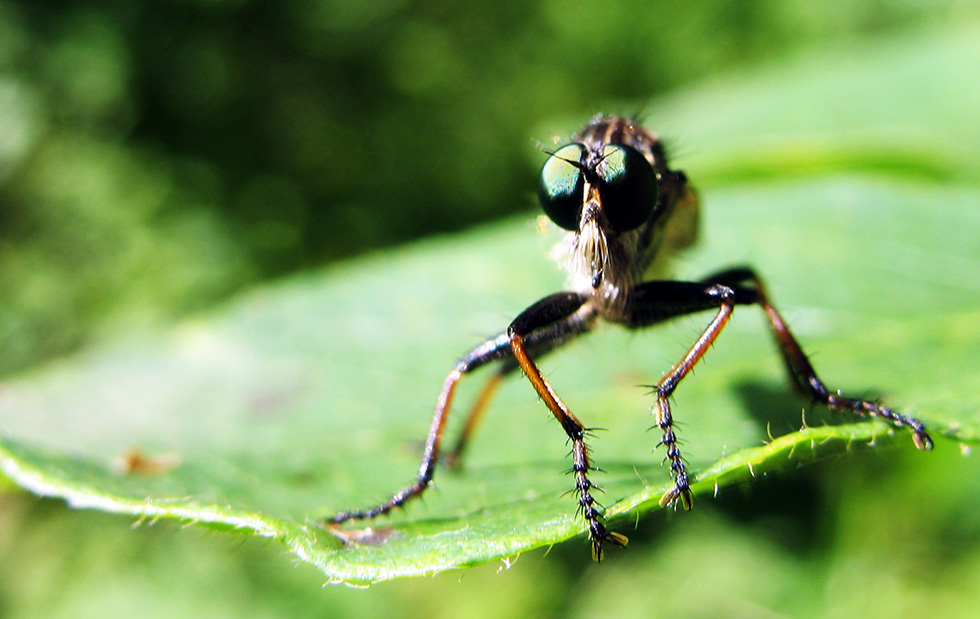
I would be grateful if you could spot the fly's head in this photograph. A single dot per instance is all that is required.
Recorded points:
(610, 189)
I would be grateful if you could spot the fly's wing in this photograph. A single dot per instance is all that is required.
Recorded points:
(682, 229)
(679, 231)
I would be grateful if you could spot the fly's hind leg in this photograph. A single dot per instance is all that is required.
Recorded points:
(491, 350)
(804, 377)
(654, 302)
(454, 459)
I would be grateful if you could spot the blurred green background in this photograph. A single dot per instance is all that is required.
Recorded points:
(157, 157)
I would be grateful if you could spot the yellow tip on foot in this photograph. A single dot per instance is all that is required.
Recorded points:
(669, 499)
(610, 536)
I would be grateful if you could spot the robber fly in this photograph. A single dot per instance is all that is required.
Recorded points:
(624, 211)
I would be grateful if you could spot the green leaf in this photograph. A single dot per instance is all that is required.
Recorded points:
(312, 396)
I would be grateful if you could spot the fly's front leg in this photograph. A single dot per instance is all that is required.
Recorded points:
(538, 315)
(654, 302)
(665, 388)
(539, 343)
(804, 376)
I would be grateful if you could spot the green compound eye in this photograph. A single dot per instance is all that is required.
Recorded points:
(628, 187)
(561, 186)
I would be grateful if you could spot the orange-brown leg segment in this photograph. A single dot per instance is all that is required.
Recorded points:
(455, 457)
(581, 465)
(540, 342)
